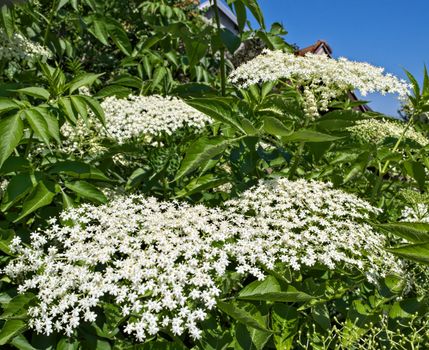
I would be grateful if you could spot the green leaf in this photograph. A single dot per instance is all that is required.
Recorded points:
(320, 314)
(35, 92)
(254, 8)
(21, 343)
(96, 108)
(417, 252)
(120, 38)
(99, 30)
(78, 169)
(17, 188)
(38, 123)
(67, 201)
(217, 109)
(242, 316)
(80, 106)
(275, 127)
(309, 136)
(240, 11)
(10, 329)
(285, 325)
(6, 237)
(7, 21)
(248, 338)
(17, 305)
(158, 75)
(67, 107)
(270, 290)
(87, 190)
(52, 123)
(195, 50)
(113, 90)
(67, 344)
(415, 232)
(7, 104)
(11, 130)
(14, 164)
(82, 80)
(201, 151)
(39, 197)
(417, 171)
(230, 40)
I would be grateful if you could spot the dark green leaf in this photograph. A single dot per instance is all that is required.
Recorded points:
(35, 92)
(309, 136)
(10, 329)
(275, 127)
(40, 197)
(201, 151)
(242, 316)
(11, 129)
(415, 232)
(83, 80)
(417, 252)
(87, 190)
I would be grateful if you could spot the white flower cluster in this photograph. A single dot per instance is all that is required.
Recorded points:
(327, 78)
(163, 262)
(135, 117)
(377, 130)
(416, 213)
(149, 115)
(303, 223)
(18, 48)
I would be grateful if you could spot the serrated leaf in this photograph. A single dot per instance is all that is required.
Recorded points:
(37, 123)
(309, 136)
(415, 232)
(87, 190)
(201, 151)
(242, 316)
(270, 290)
(10, 329)
(275, 127)
(416, 252)
(78, 169)
(35, 92)
(82, 80)
(7, 104)
(11, 131)
(39, 197)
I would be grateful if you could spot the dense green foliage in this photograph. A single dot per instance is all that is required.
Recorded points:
(106, 49)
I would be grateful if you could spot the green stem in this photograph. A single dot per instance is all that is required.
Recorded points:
(222, 50)
(49, 24)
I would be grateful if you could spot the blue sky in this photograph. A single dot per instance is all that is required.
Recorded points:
(390, 33)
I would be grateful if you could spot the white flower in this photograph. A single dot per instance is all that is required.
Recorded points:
(164, 261)
(139, 118)
(419, 212)
(326, 78)
(377, 130)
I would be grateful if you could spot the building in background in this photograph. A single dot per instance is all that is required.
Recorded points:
(227, 18)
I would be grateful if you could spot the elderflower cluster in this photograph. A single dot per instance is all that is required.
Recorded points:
(149, 115)
(377, 130)
(162, 263)
(416, 213)
(303, 223)
(134, 118)
(17, 49)
(327, 78)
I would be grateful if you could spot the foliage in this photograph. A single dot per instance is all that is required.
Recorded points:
(137, 179)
